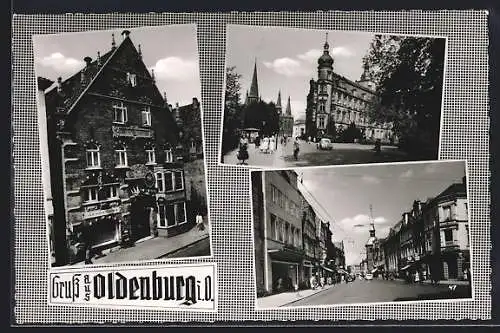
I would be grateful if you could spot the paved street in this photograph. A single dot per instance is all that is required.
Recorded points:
(342, 153)
(362, 291)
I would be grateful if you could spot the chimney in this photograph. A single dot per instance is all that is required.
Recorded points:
(195, 103)
(113, 43)
(139, 50)
(125, 34)
(153, 74)
(165, 98)
(98, 58)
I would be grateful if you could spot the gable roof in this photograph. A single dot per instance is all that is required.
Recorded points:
(94, 71)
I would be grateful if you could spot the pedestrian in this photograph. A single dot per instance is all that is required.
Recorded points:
(87, 241)
(243, 149)
(296, 148)
(199, 221)
(417, 277)
(377, 147)
(272, 144)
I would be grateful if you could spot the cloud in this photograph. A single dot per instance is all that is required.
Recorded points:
(61, 63)
(407, 174)
(370, 179)
(287, 66)
(311, 55)
(176, 69)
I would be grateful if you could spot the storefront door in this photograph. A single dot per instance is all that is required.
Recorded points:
(139, 218)
(103, 231)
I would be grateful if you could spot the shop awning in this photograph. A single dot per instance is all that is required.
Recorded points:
(327, 269)
(405, 267)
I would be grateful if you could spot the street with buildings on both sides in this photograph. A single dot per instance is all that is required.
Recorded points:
(367, 291)
(310, 155)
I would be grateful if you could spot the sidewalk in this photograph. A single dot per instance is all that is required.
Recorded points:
(153, 248)
(286, 298)
(442, 282)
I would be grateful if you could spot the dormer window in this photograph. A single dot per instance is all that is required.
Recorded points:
(146, 116)
(120, 113)
(132, 79)
(93, 156)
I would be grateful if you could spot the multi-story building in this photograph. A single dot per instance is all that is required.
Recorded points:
(278, 232)
(188, 118)
(371, 249)
(339, 254)
(447, 232)
(334, 102)
(116, 165)
(392, 248)
(310, 241)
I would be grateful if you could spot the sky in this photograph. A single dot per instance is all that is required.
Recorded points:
(344, 196)
(287, 59)
(171, 50)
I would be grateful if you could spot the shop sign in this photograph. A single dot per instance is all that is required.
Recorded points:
(132, 132)
(101, 212)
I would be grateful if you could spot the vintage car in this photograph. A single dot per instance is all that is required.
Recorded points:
(368, 276)
(325, 144)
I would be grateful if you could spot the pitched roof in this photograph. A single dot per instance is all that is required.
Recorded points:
(453, 189)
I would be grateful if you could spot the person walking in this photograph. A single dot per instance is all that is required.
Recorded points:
(199, 221)
(87, 241)
(243, 150)
(296, 148)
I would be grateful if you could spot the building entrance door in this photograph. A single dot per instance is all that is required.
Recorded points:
(139, 220)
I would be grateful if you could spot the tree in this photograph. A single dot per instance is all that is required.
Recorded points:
(232, 110)
(408, 73)
(263, 116)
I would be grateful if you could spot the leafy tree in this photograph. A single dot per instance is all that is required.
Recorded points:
(408, 73)
(263, 116)
(350, 133)
(232, 110)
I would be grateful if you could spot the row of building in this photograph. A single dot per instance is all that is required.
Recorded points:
(117, 152)
(292, 242)
(432, 238)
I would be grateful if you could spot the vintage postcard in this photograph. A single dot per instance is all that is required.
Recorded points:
(367, 234)
(297, 97)
(121, 141)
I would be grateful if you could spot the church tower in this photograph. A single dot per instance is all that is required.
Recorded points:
(253, 95)
(325, 62)
(278, 103)
(288, 108)
(370, 244)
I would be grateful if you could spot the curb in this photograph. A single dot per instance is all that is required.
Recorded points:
(183, 247)
(300, 299)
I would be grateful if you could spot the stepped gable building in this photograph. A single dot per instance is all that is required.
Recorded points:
(334, 102)
(116, 159)
(188, 119)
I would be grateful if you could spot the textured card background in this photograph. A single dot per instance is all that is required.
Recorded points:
(465, 135)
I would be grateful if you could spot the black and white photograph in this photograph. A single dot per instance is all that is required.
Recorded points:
(297, 97)
(121, 141)
(361, 234)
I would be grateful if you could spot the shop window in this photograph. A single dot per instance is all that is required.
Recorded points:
(120, 113)
(93, 156)
(171, 215)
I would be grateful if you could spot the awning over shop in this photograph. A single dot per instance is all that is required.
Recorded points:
(286, 255)
(405, 267)
(327, 269)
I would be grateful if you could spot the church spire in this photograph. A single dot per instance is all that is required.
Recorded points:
(372, 223)
(288, 107)
(278, 102)
(253, 96)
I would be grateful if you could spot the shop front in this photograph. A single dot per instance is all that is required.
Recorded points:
(284, 269)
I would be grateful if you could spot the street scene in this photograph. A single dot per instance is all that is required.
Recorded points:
(333, 98)
(363, 234)
(122, 146)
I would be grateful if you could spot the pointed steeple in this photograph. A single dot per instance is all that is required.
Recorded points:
(253, 95)
(278, 103)
(288, 107)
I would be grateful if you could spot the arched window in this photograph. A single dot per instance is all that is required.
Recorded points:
(93, 156)
(121, 155)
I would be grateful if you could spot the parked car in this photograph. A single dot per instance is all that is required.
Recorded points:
(368, 276)
(325, 144)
